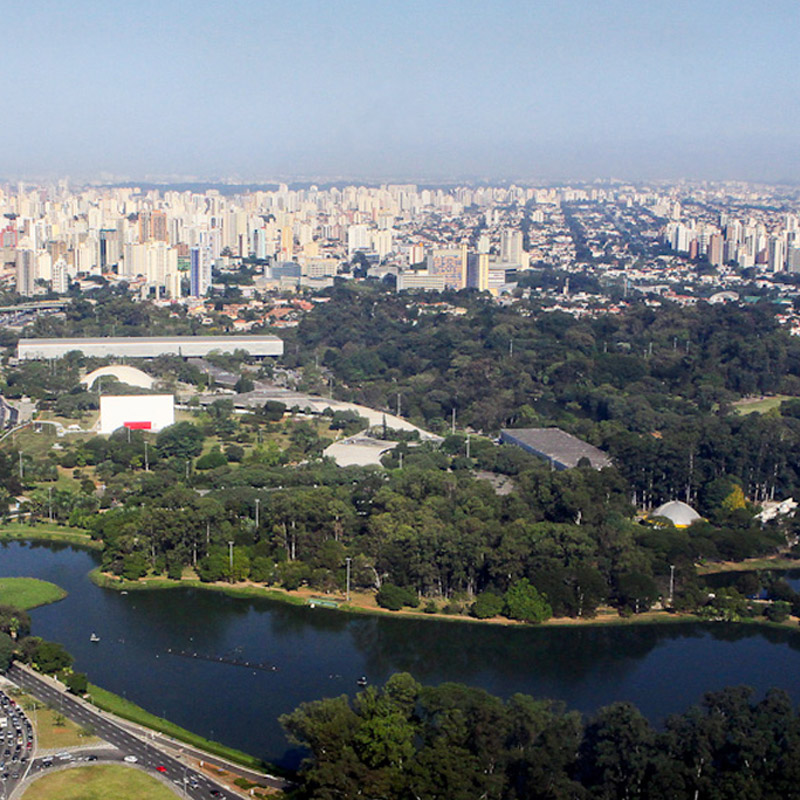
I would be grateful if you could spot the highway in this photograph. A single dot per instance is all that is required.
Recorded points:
(192, 784)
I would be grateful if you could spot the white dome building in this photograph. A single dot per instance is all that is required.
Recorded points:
(679, 514)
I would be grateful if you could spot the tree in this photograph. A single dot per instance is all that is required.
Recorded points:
(273, 410)
(6, 651)
(15, 622)
(616, 751)
(51, 657)
(778, 611)
(76, 682)
(636, 591)
(213, 459)
(181, 440)
(522, 601)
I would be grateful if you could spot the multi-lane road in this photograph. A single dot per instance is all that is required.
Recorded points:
(131, 748)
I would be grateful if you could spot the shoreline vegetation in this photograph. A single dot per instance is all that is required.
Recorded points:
(363, 603)
(360, 603)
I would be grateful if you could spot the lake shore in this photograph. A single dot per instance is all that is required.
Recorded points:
(364, 603)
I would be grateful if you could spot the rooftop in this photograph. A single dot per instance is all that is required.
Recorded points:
(557, 446)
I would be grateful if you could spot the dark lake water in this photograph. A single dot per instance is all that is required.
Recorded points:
(318, 653)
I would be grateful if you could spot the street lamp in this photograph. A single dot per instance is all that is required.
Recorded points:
(258, 503)
(671, 582)
(230, 552)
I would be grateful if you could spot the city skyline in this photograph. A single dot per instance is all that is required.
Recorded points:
(418, 90)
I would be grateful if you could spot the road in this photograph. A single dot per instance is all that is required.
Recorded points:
(16, 745)
(192, 783)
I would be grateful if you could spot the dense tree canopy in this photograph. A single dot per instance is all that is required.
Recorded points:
(451, 742)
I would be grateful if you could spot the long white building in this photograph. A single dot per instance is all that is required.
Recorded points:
(150, 347)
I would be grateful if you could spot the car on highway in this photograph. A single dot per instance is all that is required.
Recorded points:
(130, 759)
(161, 768)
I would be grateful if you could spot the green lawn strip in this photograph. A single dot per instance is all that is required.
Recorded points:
(98, 782)
(28, 593)
(109, 701)
(751, 565)
(49, 533)
(761, 405)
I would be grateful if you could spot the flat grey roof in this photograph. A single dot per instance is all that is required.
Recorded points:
(564, 449)
(221, 340)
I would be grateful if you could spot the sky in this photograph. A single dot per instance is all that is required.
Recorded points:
(436, 90)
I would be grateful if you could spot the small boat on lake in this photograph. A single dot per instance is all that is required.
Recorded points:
(94, 637)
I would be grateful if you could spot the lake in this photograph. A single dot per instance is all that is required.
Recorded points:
(320, 653)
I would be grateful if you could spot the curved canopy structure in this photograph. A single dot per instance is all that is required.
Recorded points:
(679, 514)
(124, 374)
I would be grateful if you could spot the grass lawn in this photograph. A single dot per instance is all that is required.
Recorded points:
(47, 532)
(760, 405)
(101, 782)
(750, 565)
(109, 701)
(53, 731)
(28, 592)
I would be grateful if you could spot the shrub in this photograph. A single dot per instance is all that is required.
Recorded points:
(486, 605)
(174, 570)
(394, 597)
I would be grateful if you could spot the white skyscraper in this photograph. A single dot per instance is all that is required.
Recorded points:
(60, 279)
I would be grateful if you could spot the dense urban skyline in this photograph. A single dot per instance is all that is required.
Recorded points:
(416, 90)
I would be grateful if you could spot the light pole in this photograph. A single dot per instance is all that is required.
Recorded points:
(230, 553)
(146, 462)
(348, 578)
(258, 503)
(671, 582)
(187, 470)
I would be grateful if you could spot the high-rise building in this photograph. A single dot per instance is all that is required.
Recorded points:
(715, 250)
(158, 226)
(357, 239)
(450, 263)
(478, 271)
(776, 256)
(26, 272)
(60, 279)
(199, 271)
(511, 246)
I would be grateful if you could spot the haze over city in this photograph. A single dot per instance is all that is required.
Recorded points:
(417, 90)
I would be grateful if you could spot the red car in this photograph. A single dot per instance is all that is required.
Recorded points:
(161, 768)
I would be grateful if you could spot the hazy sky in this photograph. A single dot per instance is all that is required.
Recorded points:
(526, 89)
